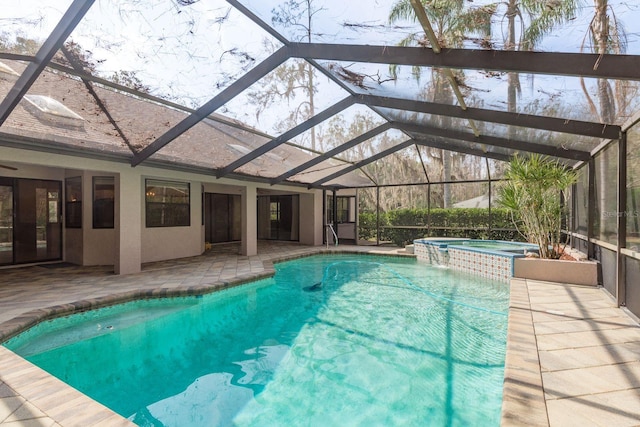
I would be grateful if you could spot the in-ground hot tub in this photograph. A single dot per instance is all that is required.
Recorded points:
(487, 258)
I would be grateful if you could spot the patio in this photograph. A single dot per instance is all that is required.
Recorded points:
(573, 357)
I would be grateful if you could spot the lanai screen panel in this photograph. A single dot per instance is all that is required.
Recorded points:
(140, 120)
(332, 21)
(213, 145)
(497, 168)
(188, 52)
(460, 166)
(9, 73)
(469, 195)
(374, 145)
(284, 98)
(320, 170)
(398, 168)
(25, 25)
(58, 110)
(185, 54)
(495, 137)
(343, 127)
(353, 179)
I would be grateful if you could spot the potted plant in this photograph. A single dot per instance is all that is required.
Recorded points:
(533, 193)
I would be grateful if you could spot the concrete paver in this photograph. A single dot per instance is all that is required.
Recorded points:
(587, 355)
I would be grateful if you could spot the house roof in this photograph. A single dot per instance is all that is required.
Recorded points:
(356, 97)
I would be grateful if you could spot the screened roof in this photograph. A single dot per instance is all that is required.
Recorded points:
(320, 93)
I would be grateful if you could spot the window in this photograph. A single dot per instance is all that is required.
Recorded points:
(274, 211)
(167, 203)
(103, 201)
(343, 204)
(73, 202)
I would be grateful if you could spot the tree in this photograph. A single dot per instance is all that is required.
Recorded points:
(453, 23)
(536, 18)
(295, 78)
(20, 45)
(606, 36)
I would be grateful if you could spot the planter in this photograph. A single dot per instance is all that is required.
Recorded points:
(555, 270)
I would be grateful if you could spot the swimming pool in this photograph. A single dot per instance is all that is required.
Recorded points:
(330, 340)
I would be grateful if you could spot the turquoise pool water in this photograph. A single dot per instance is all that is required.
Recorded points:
(497, 245)
(494, 245)
(330, 340)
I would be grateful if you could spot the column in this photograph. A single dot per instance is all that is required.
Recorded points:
(128, 222)
(249, 245)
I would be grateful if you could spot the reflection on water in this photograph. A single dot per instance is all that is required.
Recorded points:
(372, 344)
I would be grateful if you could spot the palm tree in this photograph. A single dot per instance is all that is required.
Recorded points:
(452, 23)
(606, 35)
(532, 194)
(542, 18)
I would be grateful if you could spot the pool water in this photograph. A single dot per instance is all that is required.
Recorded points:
(497, 245)
(329, 340)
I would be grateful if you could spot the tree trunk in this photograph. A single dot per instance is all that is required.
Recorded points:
(446, 170)
(513, 79)
(600, 29)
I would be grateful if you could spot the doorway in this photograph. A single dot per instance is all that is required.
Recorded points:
(222, 218)
(30, 220)
(278, 217)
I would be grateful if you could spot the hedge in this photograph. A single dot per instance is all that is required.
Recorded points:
(457, 222)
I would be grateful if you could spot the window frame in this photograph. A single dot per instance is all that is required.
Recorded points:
(166, 207)
(343, 209)
(100, 218)
(75, 205)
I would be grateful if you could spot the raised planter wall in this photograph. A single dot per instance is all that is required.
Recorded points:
(554, 270)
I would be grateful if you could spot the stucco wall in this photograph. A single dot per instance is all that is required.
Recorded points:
(131, 242)
(99, 244)
(311, 228)
(161, 243)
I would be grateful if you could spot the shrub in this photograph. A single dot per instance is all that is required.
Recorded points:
(456, 222)
(533, 191)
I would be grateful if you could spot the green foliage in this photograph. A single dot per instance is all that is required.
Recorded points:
(533, 191)
(403, 226)
(367, 224)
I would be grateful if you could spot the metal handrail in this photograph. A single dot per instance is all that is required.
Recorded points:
(335, 236)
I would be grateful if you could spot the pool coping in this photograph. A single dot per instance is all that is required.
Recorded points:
(523, 399)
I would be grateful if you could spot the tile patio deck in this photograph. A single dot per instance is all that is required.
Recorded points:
(573, 358)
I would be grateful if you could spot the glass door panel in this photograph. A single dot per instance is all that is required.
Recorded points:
(223, 217)
(6, 223)
(37, 227)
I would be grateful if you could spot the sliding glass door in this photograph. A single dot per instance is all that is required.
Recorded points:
(278, 217)
(223, 217)
(6, 221)
(30, 220)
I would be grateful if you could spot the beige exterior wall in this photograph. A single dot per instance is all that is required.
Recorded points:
(555, 270)
(98, 244)
(161, 243)
(131, 243)
(311, 227)
(73, 242)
